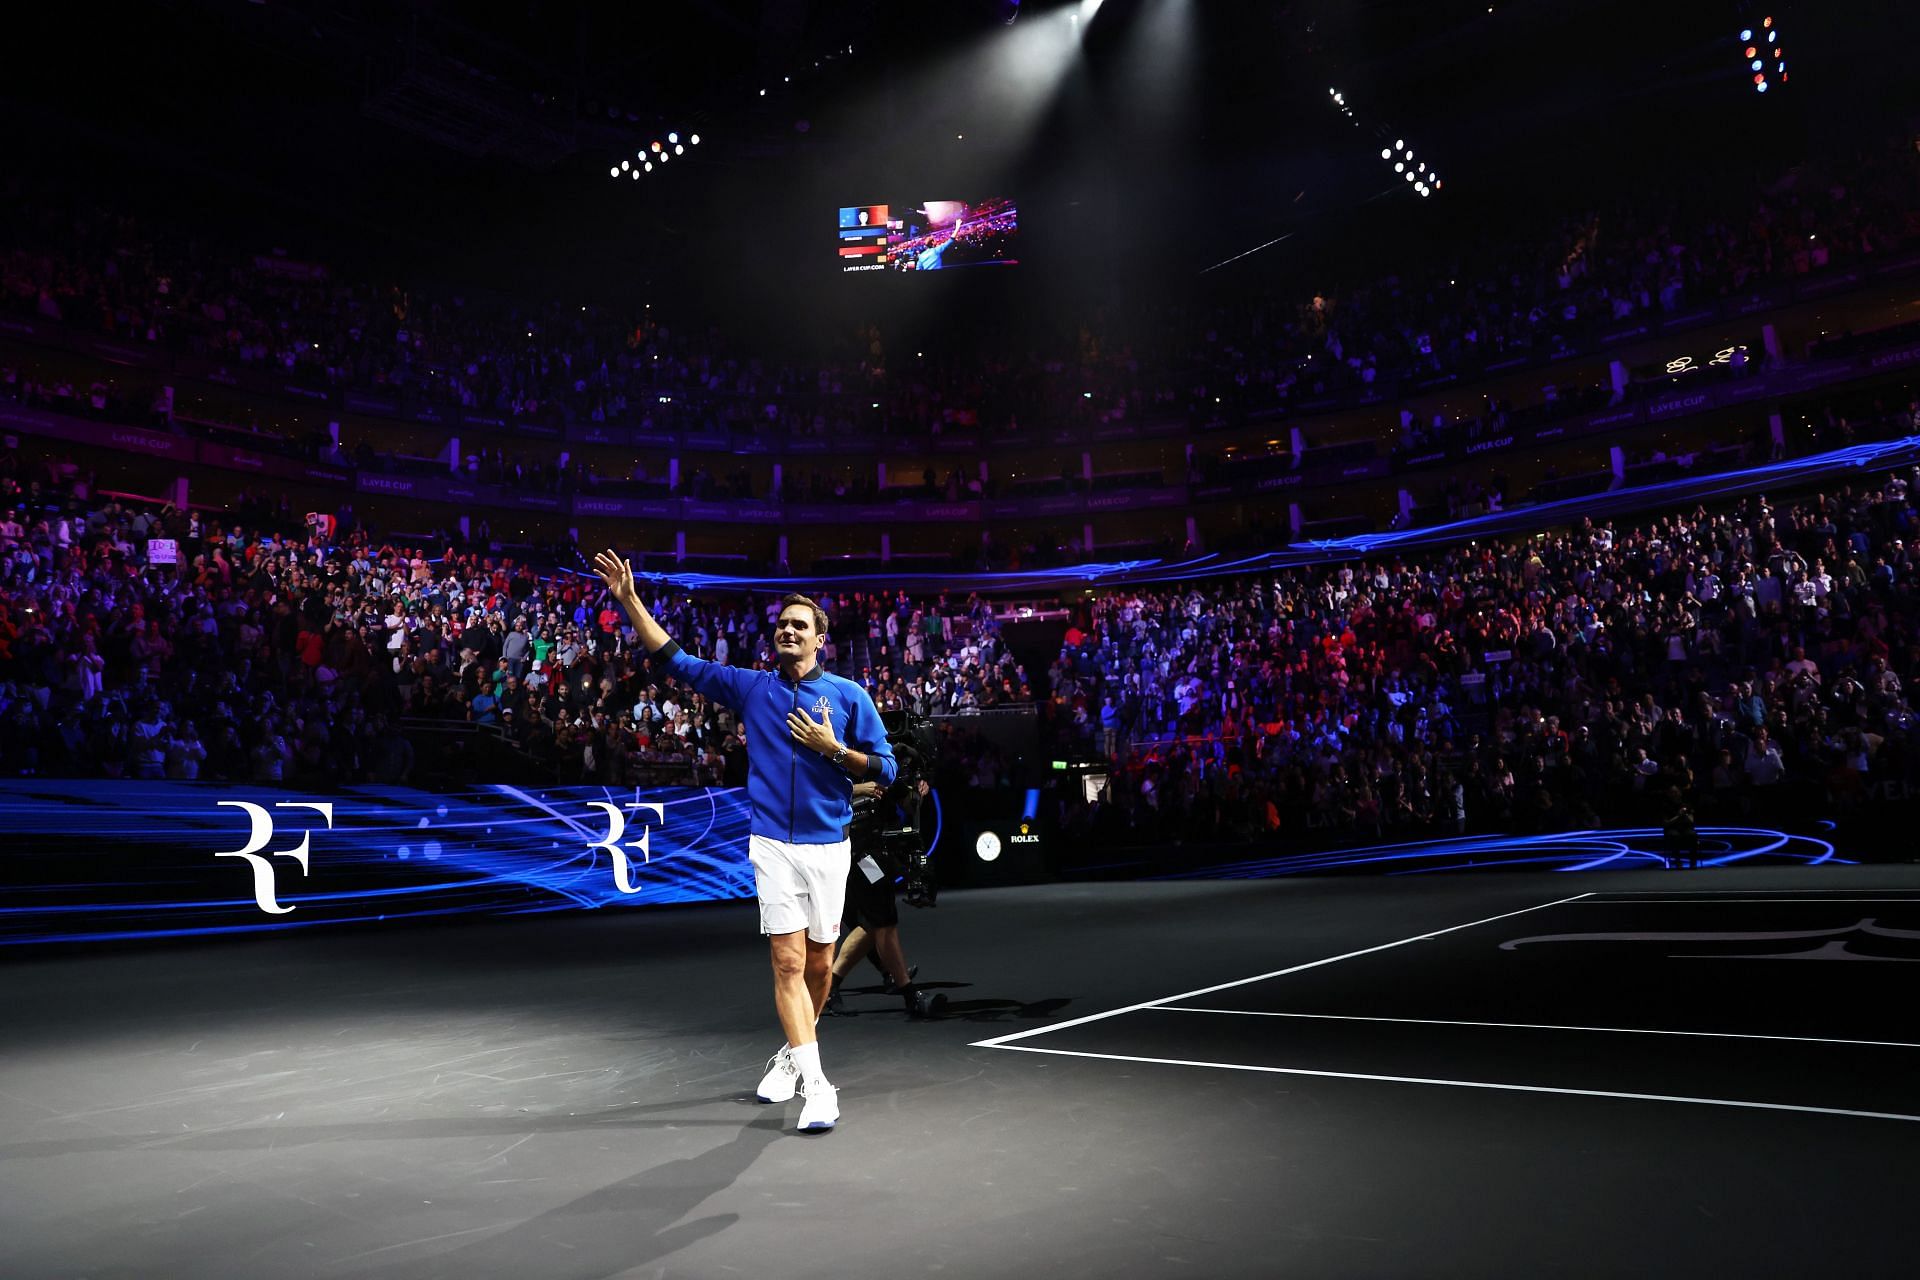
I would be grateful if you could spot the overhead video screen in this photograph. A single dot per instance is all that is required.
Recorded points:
(930, 235)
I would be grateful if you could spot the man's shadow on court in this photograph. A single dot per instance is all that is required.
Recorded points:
(609, 1231)
(882, 1001)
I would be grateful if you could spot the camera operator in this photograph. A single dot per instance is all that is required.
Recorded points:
(872, 920)
(889, 844)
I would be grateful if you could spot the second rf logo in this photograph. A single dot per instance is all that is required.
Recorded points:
(260, 833)
(617, 827)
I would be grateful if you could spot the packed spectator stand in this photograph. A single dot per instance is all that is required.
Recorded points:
(1738, 659)
(1735, 658)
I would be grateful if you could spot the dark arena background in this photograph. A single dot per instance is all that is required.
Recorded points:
(1387, 530)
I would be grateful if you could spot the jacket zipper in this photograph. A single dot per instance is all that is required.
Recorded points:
(793, 771)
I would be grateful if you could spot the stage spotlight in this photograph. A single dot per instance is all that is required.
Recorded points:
(655, 147)
(678, 149)
(1772, 36)
(1407, 176)
(649, 166)
(1762, 86)
(1399, 144)
(1756, 64)
(1753, 51)
(664, 157)
(1747, 34)
(695, 139)
(636, 175)
(1399, 168)
(673, 137)
(1386, 153)
(616, 171)
(1766, 22)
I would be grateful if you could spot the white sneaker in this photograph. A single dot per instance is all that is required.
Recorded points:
(782, 1078)
(822, 1109)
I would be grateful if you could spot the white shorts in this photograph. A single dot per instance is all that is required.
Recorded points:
(800, 886)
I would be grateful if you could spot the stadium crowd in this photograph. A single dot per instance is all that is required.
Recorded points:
(1726, 658)
(1711, 657)
(273, 651)
(106, 272)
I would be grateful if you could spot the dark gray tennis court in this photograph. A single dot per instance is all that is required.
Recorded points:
(1606, 1074)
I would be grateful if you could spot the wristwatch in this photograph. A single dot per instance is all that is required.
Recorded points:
(840, 756)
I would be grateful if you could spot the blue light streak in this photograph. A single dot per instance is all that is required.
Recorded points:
(1685, 491)
(492, 858)
(1565, 851)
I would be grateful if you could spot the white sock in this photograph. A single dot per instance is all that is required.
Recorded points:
(807, 1058)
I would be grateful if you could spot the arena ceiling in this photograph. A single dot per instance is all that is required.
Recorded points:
(1175, 132)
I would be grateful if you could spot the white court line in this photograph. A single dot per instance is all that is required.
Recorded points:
(1001, 1042)
(1539, 1026)
(1613, 895)
(1471, 1084)
(1635, 902)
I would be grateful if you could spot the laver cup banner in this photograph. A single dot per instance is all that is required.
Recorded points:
(97, 862)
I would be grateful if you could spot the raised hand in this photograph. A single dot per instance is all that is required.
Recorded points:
(617, 573)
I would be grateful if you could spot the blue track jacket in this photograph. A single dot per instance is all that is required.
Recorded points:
(804, 799)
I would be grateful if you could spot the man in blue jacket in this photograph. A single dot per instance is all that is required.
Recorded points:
(810, 736)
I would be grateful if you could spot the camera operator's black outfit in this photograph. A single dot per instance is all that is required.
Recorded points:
(877, 862)
(888, 845)
(870, 902)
